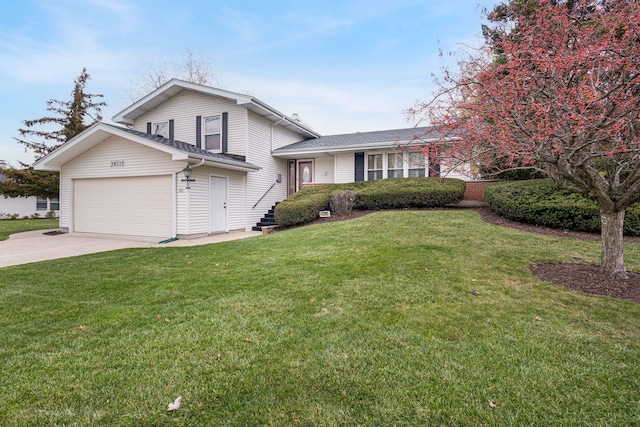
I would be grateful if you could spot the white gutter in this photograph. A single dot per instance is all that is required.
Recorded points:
(199, 164)
(353, 147)
(217, 162)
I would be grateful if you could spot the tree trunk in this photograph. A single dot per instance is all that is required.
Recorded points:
(613, 244)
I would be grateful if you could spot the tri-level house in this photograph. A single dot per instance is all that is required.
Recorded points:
(189, 160)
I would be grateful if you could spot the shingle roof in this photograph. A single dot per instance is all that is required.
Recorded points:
(184, 146)
(363, 139)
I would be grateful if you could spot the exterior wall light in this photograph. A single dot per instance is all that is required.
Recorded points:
(187, 176)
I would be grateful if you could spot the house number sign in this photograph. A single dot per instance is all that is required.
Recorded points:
(117, 163)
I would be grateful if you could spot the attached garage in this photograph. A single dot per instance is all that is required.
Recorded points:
(120, 182)
(134, 206)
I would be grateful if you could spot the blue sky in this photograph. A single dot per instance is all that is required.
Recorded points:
(343, 66)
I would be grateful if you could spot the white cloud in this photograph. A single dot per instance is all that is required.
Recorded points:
(332, 109)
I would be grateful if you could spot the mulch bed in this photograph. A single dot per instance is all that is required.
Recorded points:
(588, 278)
(578, 277)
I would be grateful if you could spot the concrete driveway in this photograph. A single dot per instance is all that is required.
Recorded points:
(33, 246)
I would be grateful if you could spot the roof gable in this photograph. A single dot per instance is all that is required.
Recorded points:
(99, 132)
(176, 86)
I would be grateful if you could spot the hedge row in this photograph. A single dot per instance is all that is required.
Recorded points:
(540, 202)
(394, 193)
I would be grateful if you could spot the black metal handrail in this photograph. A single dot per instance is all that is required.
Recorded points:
(265, 193)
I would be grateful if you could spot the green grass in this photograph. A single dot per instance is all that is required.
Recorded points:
(8, 227)
(368, 322)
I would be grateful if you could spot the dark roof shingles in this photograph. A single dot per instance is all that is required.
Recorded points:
(182, 146)
(363, 138)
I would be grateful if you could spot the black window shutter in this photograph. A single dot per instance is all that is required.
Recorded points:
(198, 131)
(149, 128)
(359, 167)
(225, 127)
(171, 129)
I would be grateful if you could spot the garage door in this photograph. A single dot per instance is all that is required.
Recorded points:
(135, 206)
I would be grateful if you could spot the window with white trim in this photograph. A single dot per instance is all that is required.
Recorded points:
(160, 129)
(374, 167)
(212, 133)
(417, 164)
(41, 204)
(396, 165)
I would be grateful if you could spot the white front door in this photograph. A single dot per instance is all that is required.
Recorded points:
(217, 204)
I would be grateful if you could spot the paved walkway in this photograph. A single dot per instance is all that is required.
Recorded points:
(33, 246)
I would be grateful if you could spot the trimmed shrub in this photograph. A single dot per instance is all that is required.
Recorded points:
(401, 193)
(540, 202)
(395, 193)
(342, 201)
(301, 207)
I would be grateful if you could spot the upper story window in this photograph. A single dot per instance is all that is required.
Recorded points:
(161, 129)
(213, 133)
(396, 165)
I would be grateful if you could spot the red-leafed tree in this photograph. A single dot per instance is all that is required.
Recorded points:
(556, 88)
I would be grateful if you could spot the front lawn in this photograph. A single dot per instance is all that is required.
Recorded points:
(372, 321)
(8, 227)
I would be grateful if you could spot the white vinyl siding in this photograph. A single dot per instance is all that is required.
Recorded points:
(261, 136)
(345, 168)
(323, 170)
(193, 204)
(283, 137)
(186, 106)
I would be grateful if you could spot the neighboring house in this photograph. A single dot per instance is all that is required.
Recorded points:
(244, 156)
(21, 207)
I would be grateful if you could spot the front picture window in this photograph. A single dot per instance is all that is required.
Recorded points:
(406, 164)
(416, 164)
(374, 167)
(394, 165)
